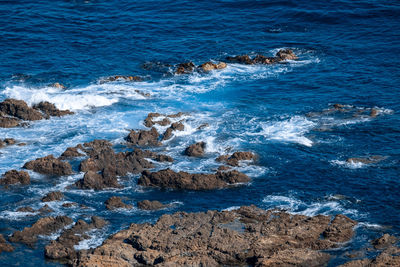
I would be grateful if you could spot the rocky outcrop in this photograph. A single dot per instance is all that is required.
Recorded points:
(388, 257)
(242, 59)
(198, 181)
(384, 241)
(58, 85)
(49, 165)
(44, 226)
(185, 68)
(71, 152)
(245, 237)
(15, 177)
(281, 55)
(235, 158)
(50, 110)
(209, 66)
(7, 142)
(150, 122)
(116, 203)
(176, 126)
(8, 122)
(98, 181)
(150, 205)
(195, 150)
(143, 137)
(286, 54)
(19, 109)
(53, 196)
(63, 247)
(4, 246)
(121, 78)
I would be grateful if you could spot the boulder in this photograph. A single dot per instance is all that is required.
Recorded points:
(71, 152)
(57, 85)
(53, 196)
(50, 109)
(260, 59)
(176, 126)
(235, 158)
(20, 110)
(49, 165)
(198, 181)
(286, 54)
(4, 246)
(15, 177)
(8, 122)
(150, 205)
(143, 137)
(209, 66)
(185, 68)
(98, 181)
(116, 203)
(242, 59)
(195, 150)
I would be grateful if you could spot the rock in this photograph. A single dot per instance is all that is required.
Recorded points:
(149, 121)
(176, 126)
(374, 112)
(50, 109)
(195, 150)
(163, 158)
(9, 141)
(96, 181)
(245, 237)
(63, 247)
(183, 180)
(15, 177)
(340, 229)
(221, 65)
(367, 160)
(143, 93)
(339, 106)
(388, 257)
(49, 165)
(243, 59)
(122, 78)
(45, 209)
(44, 226)
(71, 152)
(224, 168)
(69, 204)
(150, 205)
(58, 85)
(26, 209)
(185, 68)
(176, 115)
(4, 246)
(235, 158)
(203, 126)
(384, 241)
(116, 203)
(143, 137)
(286, 54)
(53, 196)
(19, 109)
(260, 59)
(209, 66)
(8, 122)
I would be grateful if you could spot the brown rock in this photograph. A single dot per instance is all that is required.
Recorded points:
(45, 209)
(26, 209)
(367, 160)
(184, 68)
(150, 205)
(340, 229)
(57, 85)
(8, 122)
(69, 204)
(384, 241)
(71, 152)
(4, 246)
(373, 113)
(19, 109)
(123, 78)
(53, 196)
(49, 165)
(93, 180)
(235, 158)
(50, 109)
(195, 150)
(243, 59)
(388, 257)
(183, 180)
(286, 54)
(116, 203)
(15, 177)
(44, 226)
(260, 59)
(208, 66)
(10, 141)
(143, 137)
(176, 126)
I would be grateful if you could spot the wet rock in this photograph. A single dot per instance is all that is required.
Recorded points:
(116, 203)
(150, 205)
(176, 126)
(384, 241)
(44, 226)
(245, 237)
(195, 150)
(185, 68)
(50, 109)
(176, 115)
(242, 59)
(71, 152)
(63, 247)
(45, 209)
(53, 196)
(143, 137)
(49, 165)
(69, 204)
(15, 177)
(286, 54)
(388, 257)
(183, 180)
(339, 106)
(340, 229)
(20, 110)
(367, 160)
(143, 93)
(203, 126)
(96, 181)
(121, 78)
(58, 85)
(260, 59)
(209, 66)
(235, 158)
(8, 122)
(4, 246)
(223, 168)
(26, 209)
(9, 141)
(373, 113)
(150, 122)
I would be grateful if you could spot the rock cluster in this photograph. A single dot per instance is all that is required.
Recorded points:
(248, 236)
(281, 55)
(189, 67)
(235, 158)
(143, 137)
(116, 203)
(15, 177)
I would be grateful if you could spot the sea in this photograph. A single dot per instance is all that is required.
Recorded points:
(348, 53)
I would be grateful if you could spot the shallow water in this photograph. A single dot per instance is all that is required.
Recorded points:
(348, 53)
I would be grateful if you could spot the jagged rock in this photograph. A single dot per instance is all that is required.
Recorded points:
(9, 141)
(116, 203)
(45, 209)
(69, 204)
(243, 59)
(8, 122)
(26, 209)
(19, 109)
(123, 78)
(224, 168)
(96, 181)
(183, 180)
(71, 152)
(340, 229)
(384, 241)
(245, 237)
(235, 158)
(53, 196)
(4, 246)
(150, 205)
(63, 247)
(209, 66)
(50, 109)
(176, 126)
(143, 93)
(203, 126)
(184, 68)
(57, 85)
(388, 257)
(286, 54)
(15, 177)
(148, 121)
(49, 165)
(260, 59)
(44, 226)
(143, 137)
(176, 115)
(195, 150)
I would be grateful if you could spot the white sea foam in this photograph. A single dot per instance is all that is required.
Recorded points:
(96, 239)
(349, 165)
(15, 215)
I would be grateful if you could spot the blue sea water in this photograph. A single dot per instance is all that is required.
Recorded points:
(348, 53)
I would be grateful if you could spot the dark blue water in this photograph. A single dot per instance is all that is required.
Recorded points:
(348, 53)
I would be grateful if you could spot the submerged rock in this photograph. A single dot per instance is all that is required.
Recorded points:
(235, 158)
(198, 181)
(281, 55)
(245, 237)
(195, 150)
(44, 226)
(49, 165)
(367, 160)
(53, 196)
(150, 205)
(50, 109)
(143, 137)
(4, 246)
(116, 203)
(15, 177)
(122, 78)
(242, 59)
(20, 110)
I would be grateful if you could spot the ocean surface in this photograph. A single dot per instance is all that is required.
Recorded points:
(349, 53)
